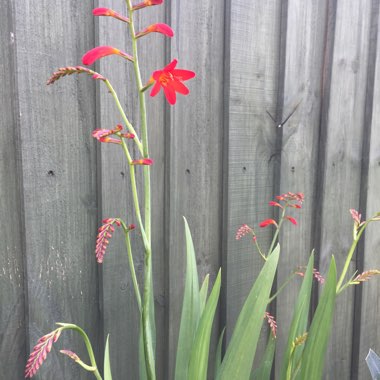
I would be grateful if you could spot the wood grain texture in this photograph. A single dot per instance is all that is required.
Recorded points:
(59, 180)
(120, 312)
(342, 172)
(300, 142)
(369, 327)
(253, 86)
(195, 148)
(12, 293)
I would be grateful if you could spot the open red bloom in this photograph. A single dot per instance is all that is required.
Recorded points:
(102, 51)
(267, 222)
(171, 80)
(109, 12)
(157, 28)
(147, 3)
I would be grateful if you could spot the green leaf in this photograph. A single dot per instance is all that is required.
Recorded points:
(218, 355)
(107, 364)
(316, 344)
(299, 321)
(200, 350)
(264, 371)
(237, 362)
(190, 310)
(142, 365)
(203, 294)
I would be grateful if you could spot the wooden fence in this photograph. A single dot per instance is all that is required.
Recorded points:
(218, 157)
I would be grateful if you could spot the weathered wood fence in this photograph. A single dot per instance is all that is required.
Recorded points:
(218, 157)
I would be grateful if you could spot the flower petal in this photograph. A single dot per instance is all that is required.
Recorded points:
(171, 66)
(156, 89)
(102, 51)
(170, 95)
(180, 87)
(183, 74)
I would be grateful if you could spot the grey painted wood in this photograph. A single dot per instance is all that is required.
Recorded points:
(12, 311)
(58, 176)
(300, 142)
(195, 148)
(342, 170)
(253, 84)
(369, 327)
(119, 305)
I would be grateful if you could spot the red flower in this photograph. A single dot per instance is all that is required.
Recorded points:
(158, 28)
(292, 220)
(147, 3)
(143, 161)
(171, 80)
(102, 51)
(267, 222)
(276, 204)
(109, 12)
(102, 135)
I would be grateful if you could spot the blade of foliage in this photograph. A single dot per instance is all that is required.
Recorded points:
(142, 365)
(299, 320)
(237, 362)
(203, 294)
(190, 310)
(200, 350)
(264, 371)
(218, 355)
(316, 344)
(373, 363)
(107, 363)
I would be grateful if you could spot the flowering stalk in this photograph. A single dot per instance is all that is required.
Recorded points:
(148, 304)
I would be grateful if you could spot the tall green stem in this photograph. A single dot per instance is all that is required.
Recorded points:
(277, 231)
(148, 303)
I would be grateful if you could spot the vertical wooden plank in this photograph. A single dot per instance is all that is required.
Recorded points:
(253, 85)
(12, 311)
(369, 328)
(120, 311)
(302, 82)
(341, 182)
(59, 181)
(195, 171)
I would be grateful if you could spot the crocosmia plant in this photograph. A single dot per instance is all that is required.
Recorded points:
(307, 341)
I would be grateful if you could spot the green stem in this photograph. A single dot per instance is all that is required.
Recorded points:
(349, 258)
(282, 287)
(148, 304)
(132, 265)
(277, 231)
(135, 196)
(69, 326)
(123, 115)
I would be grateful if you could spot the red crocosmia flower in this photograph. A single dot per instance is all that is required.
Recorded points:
(171, 80)
(109, 12)
(102, 51)
(143, 161)
(147, 3)
(157, 28)
(276, 204)
(267, 222)
(291, 220)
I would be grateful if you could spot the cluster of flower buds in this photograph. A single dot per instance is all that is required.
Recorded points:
(69, 70)
(272, 323)
(317, 275)
(40, 351)
(104, 233)
(102, 135)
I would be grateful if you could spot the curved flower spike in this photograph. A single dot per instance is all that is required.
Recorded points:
(109, 12)
(69, 70)
(171, 80)
(102, 51)
(147, 3)
(156, 28)
(105, 233)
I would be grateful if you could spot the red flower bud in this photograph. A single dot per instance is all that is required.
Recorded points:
(102, 51)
